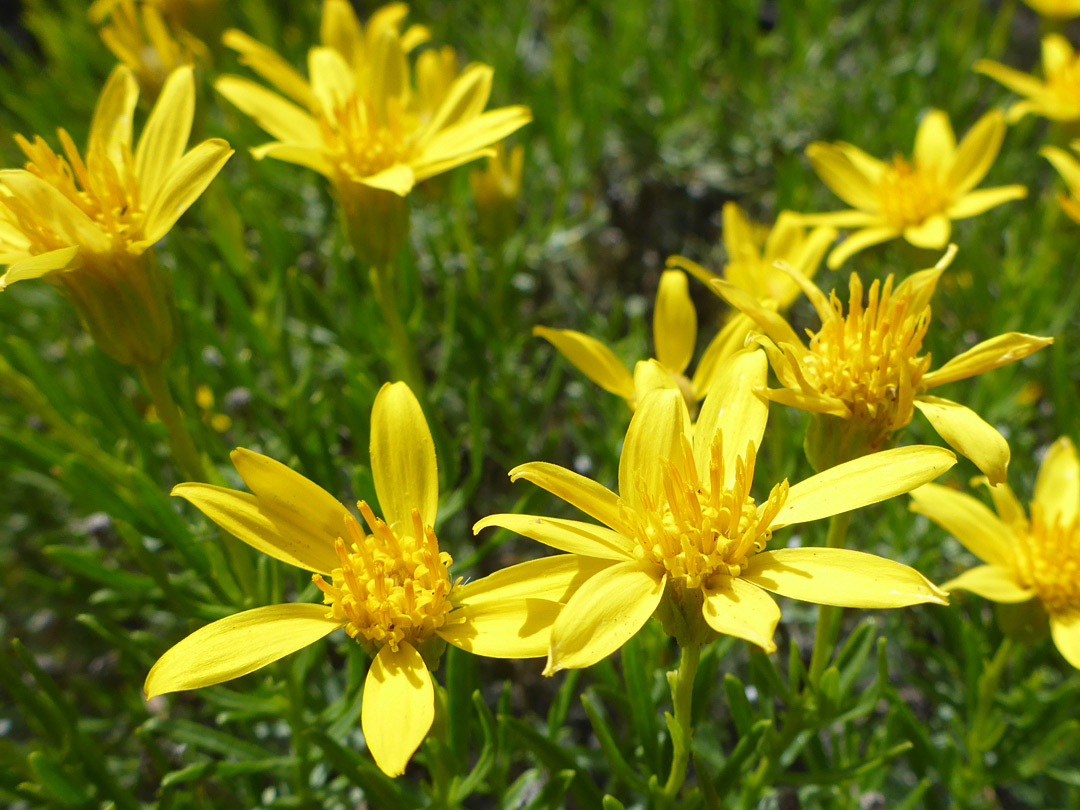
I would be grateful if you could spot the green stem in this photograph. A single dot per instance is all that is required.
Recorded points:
(407, 367)
(299, 734)
(682, 690)
(987, 691)
(828, 615)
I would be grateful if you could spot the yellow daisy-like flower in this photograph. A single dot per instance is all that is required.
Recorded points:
(1069, 169)
(390, 588)
(362, 124)
(87, 223)
(918, 199)
(685, 535)
(754, 251)
(674, 336)
(1056, 96)
(1057, 9)
(867, 367)
(199, 18)
(141, 39)
(1026, 558)
(496, 189)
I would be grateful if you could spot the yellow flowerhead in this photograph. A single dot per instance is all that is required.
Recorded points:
(141, 39)
(496, 189)
(87, 221)
(1026, 558)
(867, 367)
(390, 588)
(189, 18)
(1058, 9)
(1069, 169)
(914, 199)
(362, 124)
(1056, 96)
(685, 535)
(674, 335)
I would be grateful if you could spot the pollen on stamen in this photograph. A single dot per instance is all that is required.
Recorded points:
(363, 142)
(1048, 560)
(392, 584)
(703, 531)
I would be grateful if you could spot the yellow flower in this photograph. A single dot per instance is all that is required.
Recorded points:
(685, 535)
(916, 199)
(1060, 9)
(1057, 96)
(868, 369)
(390, 589)
(674, 336)
(87, 222)
(1069, 169)
(141, 39)
(1036, 558)
(193, 18)
(496, 189)
(754, 251)
(362, 124)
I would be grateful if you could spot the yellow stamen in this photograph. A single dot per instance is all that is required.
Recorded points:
(1048, 560)
(907, 195)
(392, 585)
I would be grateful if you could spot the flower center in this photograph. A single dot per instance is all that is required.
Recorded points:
(107, 195)
(1048, 559)
(870, 359)
(392, 585)
(364, 140)
(908, 195)
(701, 531)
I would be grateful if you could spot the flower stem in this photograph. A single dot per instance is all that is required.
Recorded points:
(682, 690)
(828, 615)
(406, 365)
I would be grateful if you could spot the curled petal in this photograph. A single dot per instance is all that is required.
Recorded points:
(990, 354)
(968, 434)
(743, 610)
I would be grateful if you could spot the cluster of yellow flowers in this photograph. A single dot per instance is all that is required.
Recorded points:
(684, 538)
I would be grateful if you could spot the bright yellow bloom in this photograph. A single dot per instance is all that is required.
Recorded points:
(496, 189)
(1069, 169)
(1056, 96)
(142, 40)
(1059, 9)
(674, 336)
(753, 252)
(1036, 558)
(390, 589)
(868, 368)
(686, 536)
(87, 222)
(193, 18)
(362, 124)
(918, 199)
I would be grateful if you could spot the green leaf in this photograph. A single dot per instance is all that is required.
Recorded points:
(738, 704)
(56, 781)
(556, 759)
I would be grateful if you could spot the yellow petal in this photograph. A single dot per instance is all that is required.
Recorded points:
(110, 129)
(39, 266)
(165, 136)
(602, 616)
(842, 176)
(1022, 83)
(674, 322)
(863, 481)
(1057, 487)
(476, 133)
(555, 579)
(296, 538)
(573, 536)
(859, 241)
(517, 629)
(186, 182)
(237, 645)
(592, 498)
(657, 430)
(331, 80)
(1065, 630)
(771, 322)
(808, 258)
(1067, 165)
(991, 582)
(865, 163)
(465, 98)
(1005, 502)
(403, 457)
(935, 143)
(426, 168)
(743, 610)
(733, 408)
(977, 152)
(841, 219)
(341, 30)
(55, 211)
(595, 360)
(266, 62)
(919, 287)
(841, 577)
(968, 434)
(311, 157)
(979, 530)
(737, 234)
(398, 708)
(976, 202)
(398, 179)
(390, 71)
(932, 233)
(1057, 54)
(730, 339)
(990, 354)
(281, 118)
(649, 376)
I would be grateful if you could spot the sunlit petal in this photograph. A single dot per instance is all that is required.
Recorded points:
(1057, 487)
(993, 582)
(983, 199)
(969, 434)
(185, 183)
(842, 176)
(1065, 629)
(977, 152)
(980, 531)
(660, 424)
(743, 610)
(595, 360)
(573, 536)
(859, 241)
(403, 457)
(734, 408)
(990, 354)
(674, 321)
(398, 707)
(590, 497)
(935, 143)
